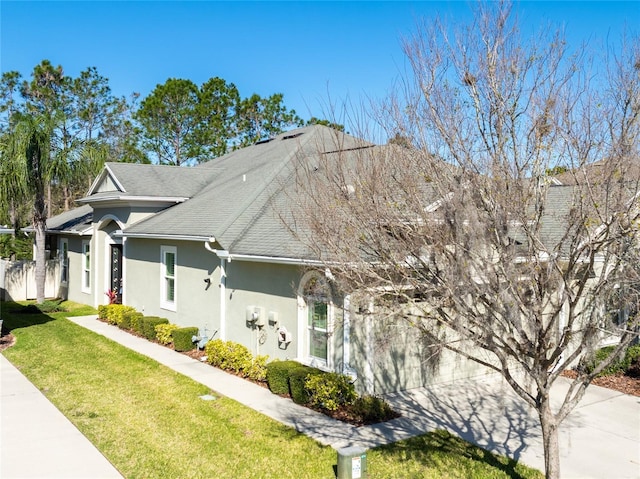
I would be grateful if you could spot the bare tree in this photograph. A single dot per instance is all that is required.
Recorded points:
(460, 222)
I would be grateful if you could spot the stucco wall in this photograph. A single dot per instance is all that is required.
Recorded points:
(197, 302)
(272, 288)
(385, 354)
(72, 289)
(390, 354)
(127, 215)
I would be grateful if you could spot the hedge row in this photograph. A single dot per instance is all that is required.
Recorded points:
(236, 358)
(325, 391)
(305, 385)
(152, 328)
(310, 386)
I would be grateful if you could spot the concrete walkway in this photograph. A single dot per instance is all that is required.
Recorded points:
(36, 440)
(600, 439)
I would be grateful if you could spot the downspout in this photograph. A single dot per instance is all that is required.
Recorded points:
(223, 255)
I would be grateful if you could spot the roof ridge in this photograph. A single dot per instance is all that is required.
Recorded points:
(265, 184)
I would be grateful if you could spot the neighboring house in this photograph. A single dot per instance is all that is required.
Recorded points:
(207, 247)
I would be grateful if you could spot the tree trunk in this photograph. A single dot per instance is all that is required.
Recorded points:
(67, 198)
(550, 441)
(39, 225)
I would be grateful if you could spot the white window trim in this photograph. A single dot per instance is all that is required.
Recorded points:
(64, 246)
(303, 330)
(164, 304)
(86, 272)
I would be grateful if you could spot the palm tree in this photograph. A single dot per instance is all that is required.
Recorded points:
(25, 170)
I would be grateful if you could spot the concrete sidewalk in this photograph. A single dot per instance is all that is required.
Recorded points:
(600, 439)
(36, 440)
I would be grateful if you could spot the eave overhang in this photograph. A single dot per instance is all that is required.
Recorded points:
(85, 232)
(160, 236)
(116, 198)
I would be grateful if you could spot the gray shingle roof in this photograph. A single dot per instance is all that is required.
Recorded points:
(153, 181)
(240, 206)
(76, 220)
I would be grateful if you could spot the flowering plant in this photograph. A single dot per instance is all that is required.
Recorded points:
(112, 295)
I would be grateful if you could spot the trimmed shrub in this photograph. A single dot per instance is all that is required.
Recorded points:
(138, 326)
(215, 351)
(277, 375)
(182, 338)
(330, 391)
(372, 409)
(164, 333)
(102, 311)
(113, 310)
(115, 313)
(128, 316)
(632, 361)
(601, 355)
(297, 379)
(237, 358)
(135, 318)
(258, 369)
(149, 324)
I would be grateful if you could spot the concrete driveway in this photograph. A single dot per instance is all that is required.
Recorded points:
(599, 439)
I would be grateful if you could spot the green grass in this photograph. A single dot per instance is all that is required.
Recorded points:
(150, 422)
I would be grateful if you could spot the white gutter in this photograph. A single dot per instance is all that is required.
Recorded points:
(161, 236)
(273, 259)
(150, 199)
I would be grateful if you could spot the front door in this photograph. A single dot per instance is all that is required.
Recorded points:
(116, 272)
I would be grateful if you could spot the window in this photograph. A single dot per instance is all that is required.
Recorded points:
(316, 321)
(317, 326)
(168, 278)
(86, 266)
(64, 260)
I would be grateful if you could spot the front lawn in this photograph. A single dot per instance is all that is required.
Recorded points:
(151, 423)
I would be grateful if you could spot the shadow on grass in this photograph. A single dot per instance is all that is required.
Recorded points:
(18, 316)
(424, 448)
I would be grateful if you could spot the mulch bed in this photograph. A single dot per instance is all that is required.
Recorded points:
(7, 341)
(617, 382)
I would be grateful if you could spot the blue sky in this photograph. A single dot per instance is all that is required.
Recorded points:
(309, 51)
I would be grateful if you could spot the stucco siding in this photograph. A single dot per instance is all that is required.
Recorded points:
(72, 289)
(391, 354)
(197, 302)
(127, 215)
(272, 289)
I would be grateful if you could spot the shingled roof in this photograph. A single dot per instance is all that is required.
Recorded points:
(75, 221)
(132, 180)
(240, 206)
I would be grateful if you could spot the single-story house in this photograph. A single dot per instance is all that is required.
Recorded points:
(207, 246)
